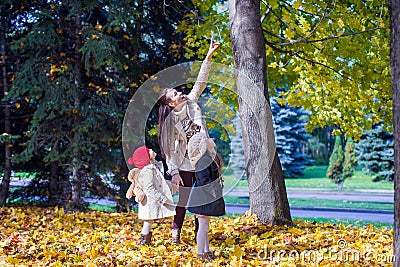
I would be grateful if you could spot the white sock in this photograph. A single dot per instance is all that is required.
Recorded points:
(207, 243)
(202, 235)
(146, 227)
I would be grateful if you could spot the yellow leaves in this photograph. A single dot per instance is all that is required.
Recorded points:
(229, 241)
(273, 65)
(99, 27)
(53, 237)
(340, 23)
(297, 69)
(12, 260)
(237, 252)
(295, 231)
(95, 36)
(297, 4)
(289, 34)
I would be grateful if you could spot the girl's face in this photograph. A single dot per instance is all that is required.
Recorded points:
(175, 98)
(152, 154)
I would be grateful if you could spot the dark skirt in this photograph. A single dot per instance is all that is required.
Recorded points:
(206, 195)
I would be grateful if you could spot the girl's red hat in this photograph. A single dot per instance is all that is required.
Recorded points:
(140, 158)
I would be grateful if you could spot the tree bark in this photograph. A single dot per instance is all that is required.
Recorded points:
(394, 10)
(267, 191)
(76, 184)
(5, 183)
(58, 186)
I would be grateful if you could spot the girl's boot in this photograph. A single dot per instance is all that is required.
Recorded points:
(144, 239)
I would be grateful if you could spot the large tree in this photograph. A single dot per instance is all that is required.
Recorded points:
(394, 9)
(5, 182)
(78, 65)
(69, 61)
(334, 55)
(268, 199)
(12, 23)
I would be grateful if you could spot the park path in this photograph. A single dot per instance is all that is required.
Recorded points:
(380, 196)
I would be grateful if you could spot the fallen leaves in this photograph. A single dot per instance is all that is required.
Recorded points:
(31, 236)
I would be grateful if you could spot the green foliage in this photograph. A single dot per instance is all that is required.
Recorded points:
(335, 56)
(376, 154)
(350, 159)
(291, 138)
(74, 67)
(335, 169)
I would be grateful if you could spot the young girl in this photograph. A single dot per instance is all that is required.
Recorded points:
(157, 201)
(206, 198)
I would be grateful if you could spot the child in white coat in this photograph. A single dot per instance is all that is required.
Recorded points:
(206, 196)
(157, 201)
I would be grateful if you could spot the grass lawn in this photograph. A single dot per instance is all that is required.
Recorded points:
(301, 202)
(314, 177)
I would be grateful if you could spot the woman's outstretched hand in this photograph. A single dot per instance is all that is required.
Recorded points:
(211, 50)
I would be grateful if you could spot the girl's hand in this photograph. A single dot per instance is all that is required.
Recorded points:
(176, 180)
(211, 50)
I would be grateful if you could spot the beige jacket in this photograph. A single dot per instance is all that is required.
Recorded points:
(175, 154)
(158, 202)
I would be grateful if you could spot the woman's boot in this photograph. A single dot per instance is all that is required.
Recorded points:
(176, 235)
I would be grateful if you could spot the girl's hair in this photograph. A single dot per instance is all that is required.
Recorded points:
(163, 111)
(218, 160)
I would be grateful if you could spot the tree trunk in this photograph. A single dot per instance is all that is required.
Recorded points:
(55, 198)
(76, 186)
(394, 10)
(340, 185)
(268, 199)
(5, 183)
(76, 177)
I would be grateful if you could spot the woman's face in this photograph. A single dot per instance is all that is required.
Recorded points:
(175, 98)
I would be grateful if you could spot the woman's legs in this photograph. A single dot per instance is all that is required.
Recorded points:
(202, 235)
(188, 179)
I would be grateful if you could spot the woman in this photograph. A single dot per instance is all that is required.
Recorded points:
(179, 119)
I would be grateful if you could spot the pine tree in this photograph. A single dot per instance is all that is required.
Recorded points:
(376, 154)
(236, 162)
(78, 65)
(291, 138)
(335, 169)
(350, 159)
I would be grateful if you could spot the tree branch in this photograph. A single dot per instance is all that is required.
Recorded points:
(302, 11)
(265, 15)
(321, 64)
(331, 37)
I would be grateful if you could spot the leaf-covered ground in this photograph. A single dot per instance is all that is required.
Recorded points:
(31, 236)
